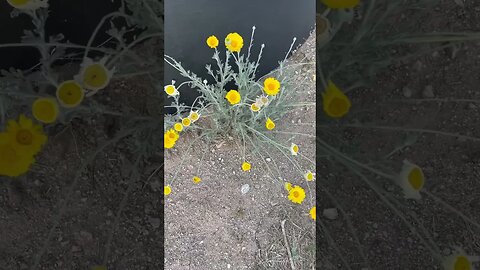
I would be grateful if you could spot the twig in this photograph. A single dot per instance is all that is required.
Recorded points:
(286, 245)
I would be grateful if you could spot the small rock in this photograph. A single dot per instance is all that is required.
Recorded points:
(109, 213)
(407, 92)
(229, 266)
(75, 249)
(428, 92)
(155, 222)
(268, 159)
(472, 106)
(330, 213)
(245, 189)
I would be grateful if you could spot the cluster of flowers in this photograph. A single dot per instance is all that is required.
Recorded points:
(271, 87)
(23, 139)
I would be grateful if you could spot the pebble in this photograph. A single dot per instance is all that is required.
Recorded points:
(245, 189)
(330, 213)
(407, 92)
(155, 222)
(268, 159)
(428, 92)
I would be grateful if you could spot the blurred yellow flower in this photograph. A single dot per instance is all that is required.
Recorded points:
(178, 127)
(254, 107)
(288, 186)
(28, 4)
(197, 179)
(13, 162)
(269, 124)
(94, 75)
(296, 194)
(186, 122)
(25, 136)
(246, 166)
(170, 138)
(271, 86)
(212, 42)
(337, 4)
(45, 110)
(411, 180)
(167, 190)
(309, 176)
(172, 134)
(234, 42)
(313, 213)
(194, 115)
(335, 103)
(70, 94)
(459, 260)
(233, 96)
(171, 90)
(168, 142)
(294, 149)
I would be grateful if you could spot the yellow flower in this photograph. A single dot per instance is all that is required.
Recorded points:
(269, 124)
(13, 162)
(294, 149)
(271, 86)
(234, 42)
(337, 4)
(309, 176)
(45, 110)
(335, 103)
(167, 190)
(94, 75)
(171, 90)
(212, 42)
(170, 138)
(255, 107)
(197, 179)
(99, 267)
(28, 4)
(459, 260)
(296, 194)
(411, 180)
(70, 94)
(194, 115)
(25, 136)
(168, 142)
(233, 96)
(186, 121)
(288, 186)
(313, 213)
(178, 127)
(246, 166)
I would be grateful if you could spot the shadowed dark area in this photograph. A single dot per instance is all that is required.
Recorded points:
(189, 23)
(76, 20)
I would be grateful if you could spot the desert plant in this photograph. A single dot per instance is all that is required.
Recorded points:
(34, 103)
(247, 115)
(355, 44)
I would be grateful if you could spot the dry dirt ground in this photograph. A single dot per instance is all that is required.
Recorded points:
(212, 225)
(31, 207)
(451, 164)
